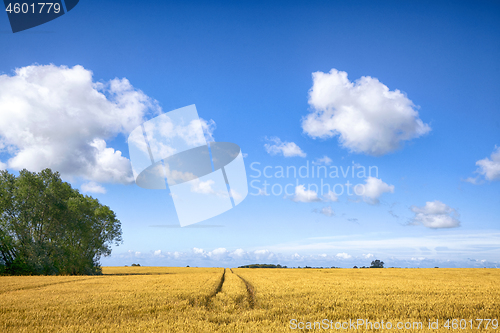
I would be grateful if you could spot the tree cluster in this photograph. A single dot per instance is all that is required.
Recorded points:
(377, 264)
(47, 227)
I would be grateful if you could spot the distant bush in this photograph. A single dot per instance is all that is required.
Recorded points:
(136, 265)
(377, 264)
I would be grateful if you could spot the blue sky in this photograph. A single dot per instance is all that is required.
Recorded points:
(248, 66)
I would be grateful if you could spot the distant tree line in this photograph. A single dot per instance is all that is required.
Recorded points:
(375, 264)
(262, 266)
(47, 227)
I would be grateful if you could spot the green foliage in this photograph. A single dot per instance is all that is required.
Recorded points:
(377, 264)
(46, 227)
(262, 266)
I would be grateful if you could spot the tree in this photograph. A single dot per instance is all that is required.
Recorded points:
(377, 264)
(46, 227)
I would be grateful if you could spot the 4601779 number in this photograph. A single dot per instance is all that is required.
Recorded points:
(465, 324)
(41, 7)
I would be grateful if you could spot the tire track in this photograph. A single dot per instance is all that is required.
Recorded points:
(42, 285)
(219, 287)
(252, 299)
(206, 301)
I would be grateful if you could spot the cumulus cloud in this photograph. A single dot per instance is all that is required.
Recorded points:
(222, 254)
(199, 251)
(239, 252)
(373, 189)
(435, 215)
(325, 160)
(489, 167)
(218, 254)
(343, 255)
(205, 187)
(303, 195)
(166, 134)
(327, 211)
(367, 256)
(3, 166)
(92, 187)
(57, 117)
(287, 149)
(367, 116)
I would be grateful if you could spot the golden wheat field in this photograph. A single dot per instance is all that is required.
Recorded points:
(167, 299)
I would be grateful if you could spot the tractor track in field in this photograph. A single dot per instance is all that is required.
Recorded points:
(206, 301)
(41, 286)
(219, 287)
(252, 299)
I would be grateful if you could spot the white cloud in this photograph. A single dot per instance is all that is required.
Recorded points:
(134, 254)
(303, 195)
(452, 249)
(490, 168)
(327, 211)
(3, 166)
(325, 160)
(110, 165)
(205, 187)
(435, 215)
(365, 114)
(343, 255)
(238, 253)
(92, 187)
(472, 180)
(58, 117)
(262, 255)
(330, 197)
(287, 149)
(235, 195)
(373, 189)
(208, 129)
(163, 129)
(218, 254)
(173, 176)
(198, 251)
